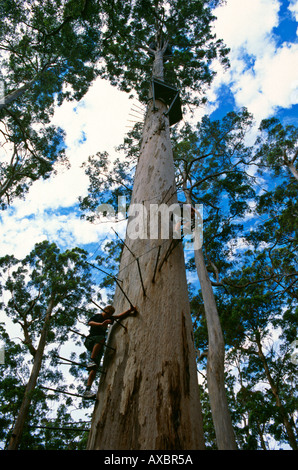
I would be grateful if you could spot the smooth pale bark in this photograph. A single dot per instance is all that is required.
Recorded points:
(8, 99)
(24, 410)
(221, 417)
(149, 396)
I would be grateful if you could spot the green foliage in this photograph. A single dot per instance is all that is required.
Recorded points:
(46, 274)
(133, 28)
(212, 162)
(108, 182)
(278, 145)
(30, 284)
(49, 54)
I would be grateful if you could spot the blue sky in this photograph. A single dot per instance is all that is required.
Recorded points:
(263, 38)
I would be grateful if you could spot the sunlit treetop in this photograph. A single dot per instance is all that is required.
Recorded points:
(136, 31)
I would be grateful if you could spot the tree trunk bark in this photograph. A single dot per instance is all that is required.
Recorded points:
(221, 417)
(149, 397)
(225, 437)
(8, 99)
(23, 413)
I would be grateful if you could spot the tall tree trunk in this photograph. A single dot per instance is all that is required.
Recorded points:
(221, 417)
(24, 410)
(149, 396)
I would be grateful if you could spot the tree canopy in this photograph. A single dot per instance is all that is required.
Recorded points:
(134, 32)
(46, 294)
(49, 53)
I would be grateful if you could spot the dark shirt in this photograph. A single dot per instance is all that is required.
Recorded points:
(97, 330)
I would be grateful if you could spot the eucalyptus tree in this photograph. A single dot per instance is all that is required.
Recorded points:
(45, 291)
(49, 424)
(260, 323)
(257, 297)
(271, 266)
(49, 53)
(211, 165)
(149, 397)
(210, 161)
(254, 280)
(254, 290)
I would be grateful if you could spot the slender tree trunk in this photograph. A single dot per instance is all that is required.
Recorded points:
(149, 396)
(289, 430)
(8, 99)
(221, 417)
(24, 410)
(225, 437)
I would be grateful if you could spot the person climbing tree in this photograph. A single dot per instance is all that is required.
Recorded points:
(95, 340)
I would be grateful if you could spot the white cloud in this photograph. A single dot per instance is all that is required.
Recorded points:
(102, 116)
(46, 212)
(293, 7)
(272, 83)
(19, 234)
(244, 24)
(262, 76)
(237, 245)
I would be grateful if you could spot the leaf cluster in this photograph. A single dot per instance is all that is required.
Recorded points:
(134, 30)
(49, 52)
